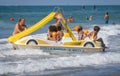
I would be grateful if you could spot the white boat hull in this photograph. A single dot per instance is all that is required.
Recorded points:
(61, 48)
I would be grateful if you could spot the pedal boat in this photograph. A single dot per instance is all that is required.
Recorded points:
(69, 42)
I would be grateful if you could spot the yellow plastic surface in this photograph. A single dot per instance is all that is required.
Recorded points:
(97, 44)
(33, 28)
(68, 29)
(66, 35)
(23, 42)
(75, 43)
(41, 42)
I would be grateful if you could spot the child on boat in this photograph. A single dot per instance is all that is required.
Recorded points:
(80, 32)
(86, 32)
(52, 32)
(54, 36)
(51, 29)
(58, 20)
(59, 33)
(93, 36)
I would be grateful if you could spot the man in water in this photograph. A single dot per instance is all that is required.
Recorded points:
(20, 26)
(94, 7)
(106, 17)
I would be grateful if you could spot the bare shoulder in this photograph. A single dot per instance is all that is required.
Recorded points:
(91, 32)
(17, 24)
(82, 32)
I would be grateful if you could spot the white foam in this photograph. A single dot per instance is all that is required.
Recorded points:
(30, 65)
(24, 52)
(111, 29)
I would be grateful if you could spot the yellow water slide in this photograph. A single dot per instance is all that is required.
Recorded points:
(33, 28)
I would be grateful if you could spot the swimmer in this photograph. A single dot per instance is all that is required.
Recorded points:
(70, 19)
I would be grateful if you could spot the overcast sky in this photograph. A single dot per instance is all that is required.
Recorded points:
(59, 2)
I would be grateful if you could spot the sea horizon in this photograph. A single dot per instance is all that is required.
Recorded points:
(60, 5)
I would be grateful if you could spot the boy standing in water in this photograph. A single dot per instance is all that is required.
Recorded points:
(106, 17)
(93, 36)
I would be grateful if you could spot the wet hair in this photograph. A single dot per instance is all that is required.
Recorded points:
(107, 13)
(52, 28)
(96, 28)
(80, 28)
(59, 28)
(21, 19)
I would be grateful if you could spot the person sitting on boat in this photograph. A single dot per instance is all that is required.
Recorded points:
(70, 19)
(19, 27)
(76, 28)
(86, 32)
(51, 29)
(59, 33)
(54, 36)
(93, 36)
(58, 21)
(80, 33)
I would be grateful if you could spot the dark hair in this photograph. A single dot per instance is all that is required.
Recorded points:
(96, 28)
(80, 28)
(21, 19)
(52, 28)
(59, 28)
(107, 13)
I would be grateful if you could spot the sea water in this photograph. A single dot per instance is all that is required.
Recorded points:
(30, 62)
